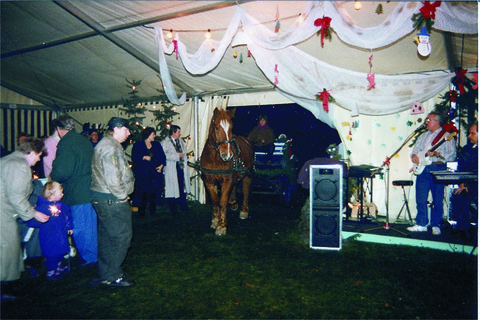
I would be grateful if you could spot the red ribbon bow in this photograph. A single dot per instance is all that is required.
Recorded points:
(324, 24)
(460, 80)
(428, 9)
(324, 96)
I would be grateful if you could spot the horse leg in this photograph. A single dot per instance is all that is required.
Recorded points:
(247, 182)
(233, 199)
(213, 192)
(222, 221)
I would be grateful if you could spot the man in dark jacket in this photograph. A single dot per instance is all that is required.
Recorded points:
(72, 167)
(112, 183)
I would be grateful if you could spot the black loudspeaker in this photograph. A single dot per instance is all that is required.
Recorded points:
(326, 197)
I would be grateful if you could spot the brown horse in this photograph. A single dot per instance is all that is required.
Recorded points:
(226, 160)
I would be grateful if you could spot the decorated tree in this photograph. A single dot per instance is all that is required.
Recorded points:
(134, 108)
(462, 101)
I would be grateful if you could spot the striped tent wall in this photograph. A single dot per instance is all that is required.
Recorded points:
(14, 121)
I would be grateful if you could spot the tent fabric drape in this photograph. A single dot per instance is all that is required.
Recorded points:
(301, 81)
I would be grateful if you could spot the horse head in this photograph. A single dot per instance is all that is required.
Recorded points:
(221, 131)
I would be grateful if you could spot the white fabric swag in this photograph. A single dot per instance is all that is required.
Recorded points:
(302, 80)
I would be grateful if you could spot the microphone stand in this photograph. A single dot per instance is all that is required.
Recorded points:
(386, 164)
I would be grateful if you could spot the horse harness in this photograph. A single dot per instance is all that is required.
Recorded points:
(238, 164)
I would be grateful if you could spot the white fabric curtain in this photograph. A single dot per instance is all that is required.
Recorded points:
(301, 81)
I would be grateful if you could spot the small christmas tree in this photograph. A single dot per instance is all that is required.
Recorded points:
(134, 109)
(163, 117)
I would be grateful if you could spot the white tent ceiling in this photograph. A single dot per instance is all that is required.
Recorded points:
(79, 53)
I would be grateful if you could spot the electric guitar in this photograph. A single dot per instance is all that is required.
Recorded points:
(425, 160)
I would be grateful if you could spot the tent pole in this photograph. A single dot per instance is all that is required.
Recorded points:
(196, 142)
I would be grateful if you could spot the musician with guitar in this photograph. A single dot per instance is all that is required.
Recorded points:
(431, 152)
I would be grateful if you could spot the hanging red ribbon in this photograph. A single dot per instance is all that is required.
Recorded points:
(428, 9)
(175, 47)
(324, 24)
(460, 80)
(324, 95)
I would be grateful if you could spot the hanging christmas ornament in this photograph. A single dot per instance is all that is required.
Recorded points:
(325, 29)
(370, 75)
(417, 108)
(452, 95)
(241, 58)
(249, 53)
(175, 48)
(379, 9)
(277, 21)
(275, 82)
(235, 54)
(423, 42)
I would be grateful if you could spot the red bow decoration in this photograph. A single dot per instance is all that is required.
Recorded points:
(324, 24)
(325, 97)
(428, 9)
(459, 80)
(371, 81)
(175, 48)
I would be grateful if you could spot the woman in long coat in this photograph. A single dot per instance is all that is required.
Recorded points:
(148, 161)
(16, 187)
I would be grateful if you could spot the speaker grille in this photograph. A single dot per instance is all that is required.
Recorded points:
(326, 187)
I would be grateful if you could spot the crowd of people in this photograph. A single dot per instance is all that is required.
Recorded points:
(90, 183)
(83, 194)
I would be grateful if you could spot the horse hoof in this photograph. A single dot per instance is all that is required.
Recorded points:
(243, 215)
(221, 232)
(214, 224)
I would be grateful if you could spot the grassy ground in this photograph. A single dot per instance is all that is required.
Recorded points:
(260, 269)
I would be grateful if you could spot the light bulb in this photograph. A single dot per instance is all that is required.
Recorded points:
(208, 34)
(357, 5)
(170, 34)
(133, 88)
(300, 19)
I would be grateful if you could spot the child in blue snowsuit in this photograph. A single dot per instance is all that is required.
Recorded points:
(54, 233)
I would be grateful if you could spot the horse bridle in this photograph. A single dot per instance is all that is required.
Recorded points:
(218, 144)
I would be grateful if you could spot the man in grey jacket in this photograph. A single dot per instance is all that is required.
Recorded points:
(112, 183)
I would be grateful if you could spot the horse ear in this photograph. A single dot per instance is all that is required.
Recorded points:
(232, 112)
(216, 111)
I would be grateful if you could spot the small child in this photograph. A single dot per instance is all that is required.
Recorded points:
(54, 233)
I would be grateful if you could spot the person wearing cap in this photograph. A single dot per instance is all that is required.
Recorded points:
(112, 183)
(262, 137)
(72, 167)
